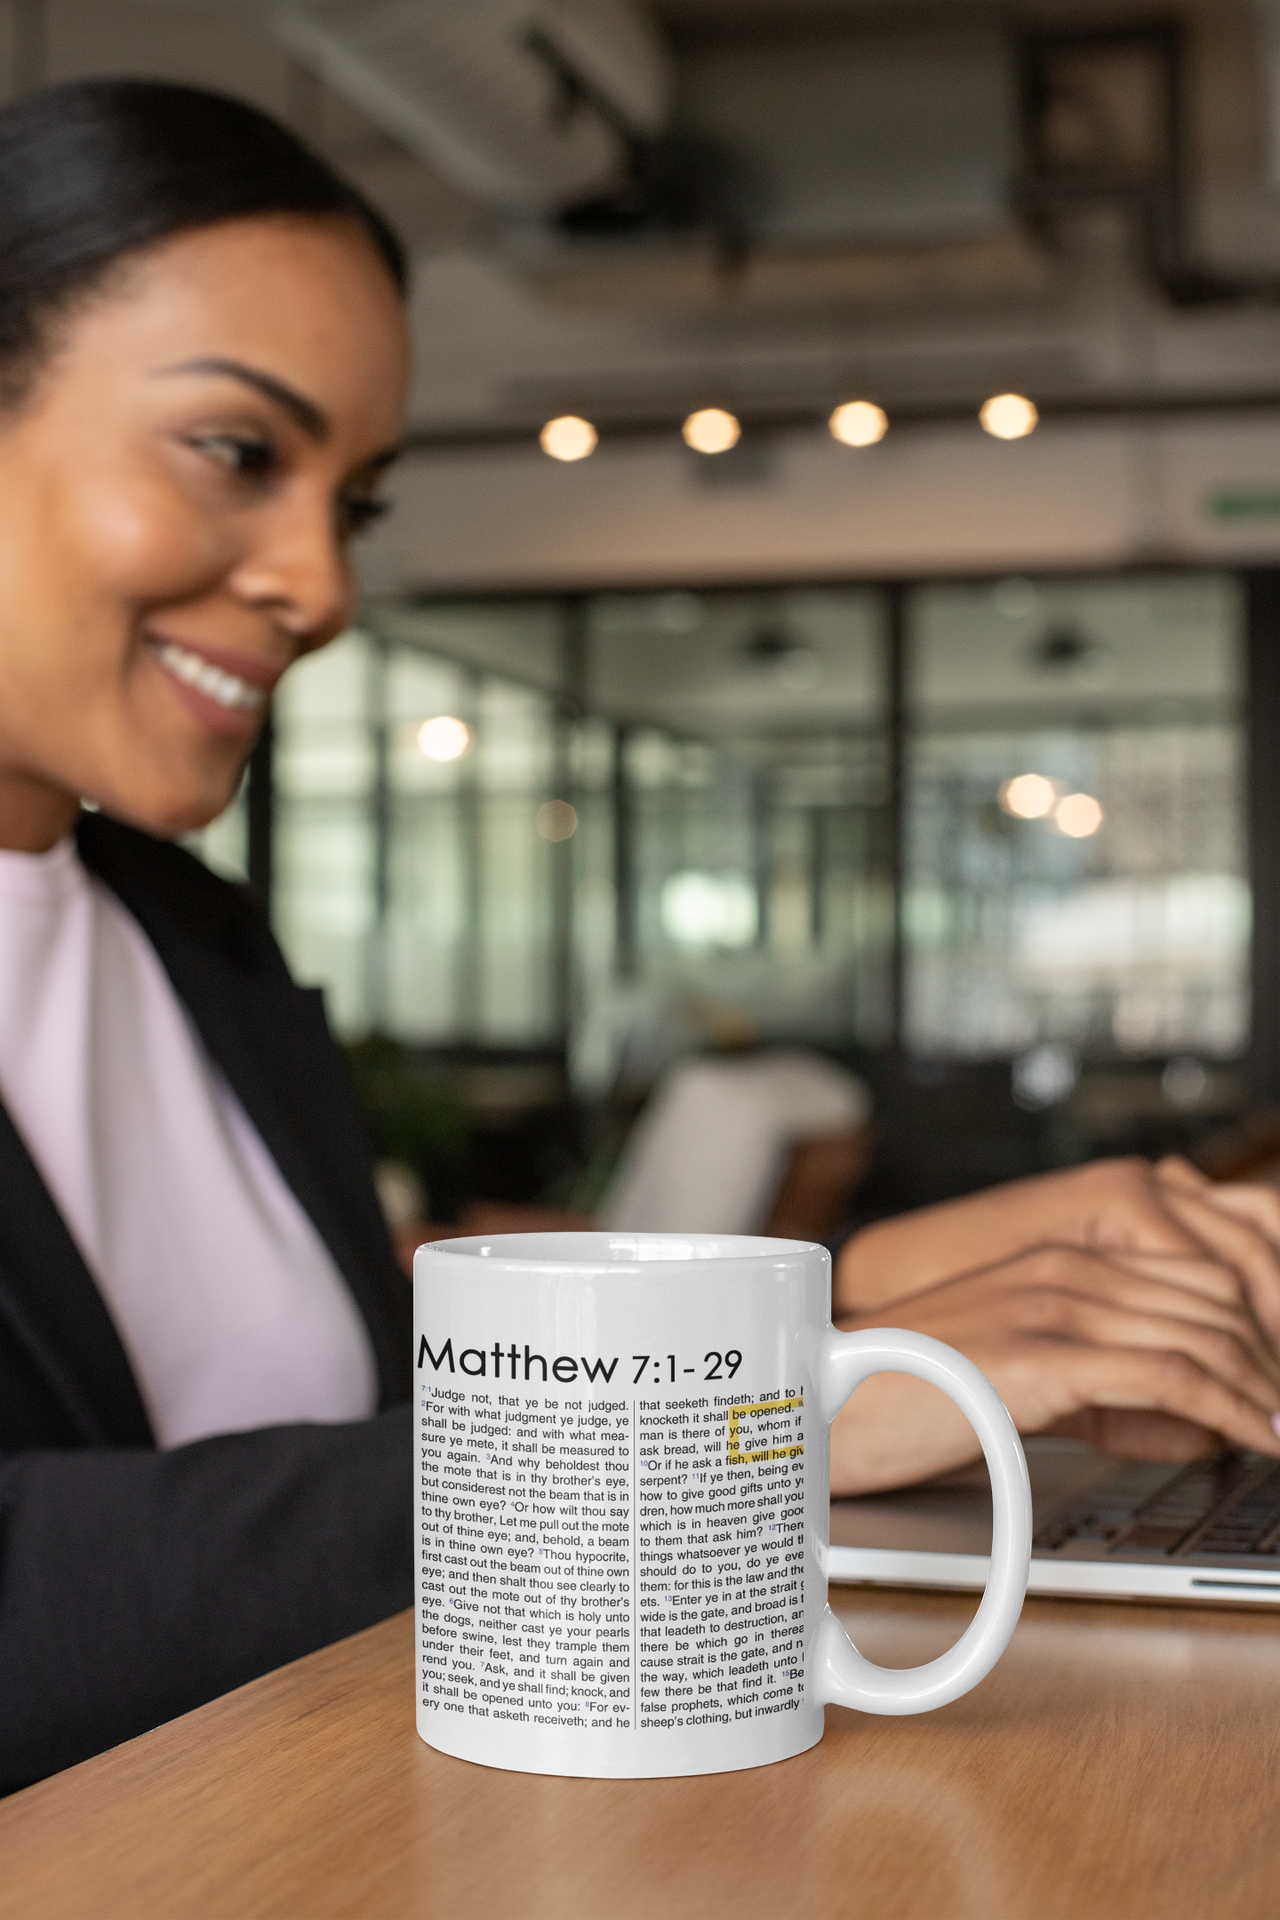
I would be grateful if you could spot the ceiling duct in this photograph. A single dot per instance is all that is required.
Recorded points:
(856, 162)
(862, 134)
(524, 105)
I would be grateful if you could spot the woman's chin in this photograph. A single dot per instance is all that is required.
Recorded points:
(168, 815)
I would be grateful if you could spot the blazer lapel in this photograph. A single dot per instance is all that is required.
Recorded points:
(56, 1314)
(273, 1043)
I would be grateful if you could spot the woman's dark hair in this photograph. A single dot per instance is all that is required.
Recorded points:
(92, 170)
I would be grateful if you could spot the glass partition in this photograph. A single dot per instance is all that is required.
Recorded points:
(750, 814)
(1074, 841)
(614, 822)
(324, 888)
(413, 872)
(428, 983)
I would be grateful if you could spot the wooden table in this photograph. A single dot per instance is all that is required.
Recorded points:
(1120, 1764)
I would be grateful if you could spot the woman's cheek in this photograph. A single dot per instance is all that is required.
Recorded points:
(142, 546)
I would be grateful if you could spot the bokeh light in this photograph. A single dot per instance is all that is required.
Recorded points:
(1009, 416)
(444, 738)
(1029, 796)
(711, 430)
(555, 820)
(1078, 815)
(709, 910)
(568, 437)
(859, 423)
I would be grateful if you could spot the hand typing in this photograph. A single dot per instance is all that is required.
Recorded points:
(1136, 1307)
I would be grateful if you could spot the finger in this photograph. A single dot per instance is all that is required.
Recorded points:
(1122, 1204)
(1200, 1290)
(1167, 1382)
(1138, 1436)
(1208, 1278)
(1197, 1289)
(1250, 1201)
(1180, 1173)
(1219, 1351)
(1241, 1245)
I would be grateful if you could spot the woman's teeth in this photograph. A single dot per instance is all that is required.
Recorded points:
(228, 689)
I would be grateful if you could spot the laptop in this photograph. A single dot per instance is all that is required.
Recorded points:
(1103, 1529)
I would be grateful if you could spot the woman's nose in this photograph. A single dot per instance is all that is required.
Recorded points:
(298, 571)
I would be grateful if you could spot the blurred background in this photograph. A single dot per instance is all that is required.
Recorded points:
(831, 616)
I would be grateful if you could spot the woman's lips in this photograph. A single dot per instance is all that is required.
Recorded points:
(226, 701)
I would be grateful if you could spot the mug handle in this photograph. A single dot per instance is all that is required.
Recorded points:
(838, 1673)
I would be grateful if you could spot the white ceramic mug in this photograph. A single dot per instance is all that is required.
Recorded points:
(624, 1480)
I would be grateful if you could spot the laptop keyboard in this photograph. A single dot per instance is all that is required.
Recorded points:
(1228, 1505)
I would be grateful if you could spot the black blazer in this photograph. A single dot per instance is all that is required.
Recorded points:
(135, 1584)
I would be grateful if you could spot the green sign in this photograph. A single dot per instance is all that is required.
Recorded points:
(1244, 503)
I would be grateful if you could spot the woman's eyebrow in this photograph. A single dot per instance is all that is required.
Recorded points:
(305, 413)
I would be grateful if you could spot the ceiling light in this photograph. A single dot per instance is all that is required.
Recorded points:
(711, 430)
(1029, 796)
(1009, 416)
(568, 438)
(1078, 816)
(555, 820)
(444, 738)
(859, 423)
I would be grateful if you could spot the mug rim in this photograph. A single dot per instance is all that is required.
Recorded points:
(601, 1251)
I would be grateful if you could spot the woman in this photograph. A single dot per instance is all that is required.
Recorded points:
(203, 1336)
(205, 1439)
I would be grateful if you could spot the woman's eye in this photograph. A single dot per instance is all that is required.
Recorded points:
(355, 512)
(245, 456)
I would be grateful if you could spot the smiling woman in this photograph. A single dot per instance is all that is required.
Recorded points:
(192, 434)
(204, 1441)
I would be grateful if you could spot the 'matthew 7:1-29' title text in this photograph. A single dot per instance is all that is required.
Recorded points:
(488, 1362)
